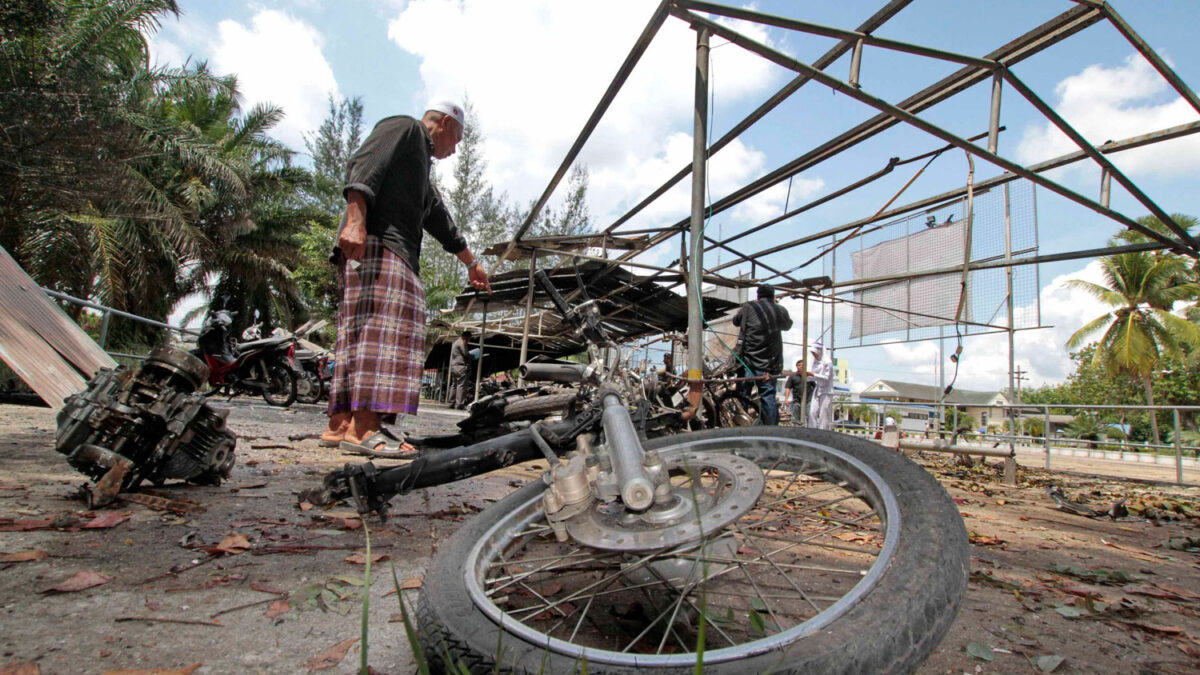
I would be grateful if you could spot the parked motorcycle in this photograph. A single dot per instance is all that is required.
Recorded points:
(756, 549)
(265, 367)
(315, 370)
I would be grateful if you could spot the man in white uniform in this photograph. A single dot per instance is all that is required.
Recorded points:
(820, 410)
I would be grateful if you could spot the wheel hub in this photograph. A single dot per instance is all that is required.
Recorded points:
(708, 491)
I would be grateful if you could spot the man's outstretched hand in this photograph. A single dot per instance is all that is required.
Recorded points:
(479, 278)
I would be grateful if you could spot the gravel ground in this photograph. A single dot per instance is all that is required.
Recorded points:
(1028, 596)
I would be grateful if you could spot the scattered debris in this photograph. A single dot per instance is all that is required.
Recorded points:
(146, 423)
(107, 519)
(157, 671)
(80, 581)
(331, 656)
(162, 503)
(406, 585)
(232, 545)
(360, 558)
(23, 556)
(164, 619)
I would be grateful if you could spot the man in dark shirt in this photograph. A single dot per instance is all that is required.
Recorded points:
(459, 372)
(760, 347)
(391, 202)
(792, 388)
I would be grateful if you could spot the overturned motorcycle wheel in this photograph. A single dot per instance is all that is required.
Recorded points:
(279, 384)
(852, 560)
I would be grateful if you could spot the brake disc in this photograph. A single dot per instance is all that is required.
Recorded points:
(708, 491)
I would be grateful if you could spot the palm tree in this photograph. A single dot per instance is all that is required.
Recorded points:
(78, 204)
(1142, 289)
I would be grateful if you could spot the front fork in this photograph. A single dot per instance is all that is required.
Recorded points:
(619, 467)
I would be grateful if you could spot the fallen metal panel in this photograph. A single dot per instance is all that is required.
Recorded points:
(36, 362)
(43, 345)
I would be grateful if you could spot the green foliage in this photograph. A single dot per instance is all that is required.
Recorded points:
(1142, 288)
(330, 147)
(134, 186)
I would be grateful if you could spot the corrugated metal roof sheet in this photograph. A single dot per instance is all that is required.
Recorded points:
(43, 345)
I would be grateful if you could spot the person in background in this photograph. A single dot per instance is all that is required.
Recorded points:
(792, 393)
(760, 347)
(820, 408)
(460, 373)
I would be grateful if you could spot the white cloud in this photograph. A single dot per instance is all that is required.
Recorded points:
(535, 70)
(278, 60)
(1112, 104)
(164, 52)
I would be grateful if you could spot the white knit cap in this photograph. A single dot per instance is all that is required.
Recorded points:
(449, 108)
(817, 348)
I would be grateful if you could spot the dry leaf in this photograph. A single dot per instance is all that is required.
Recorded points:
(330, 657)
(233, 544)
(406, 585)
(81, 581)
(9, 525)
(360, 558)
(23, 556)
(20, 668)
(107, 519)
(156, 671)
(305, 506)
(277, 608)
(1155, 628)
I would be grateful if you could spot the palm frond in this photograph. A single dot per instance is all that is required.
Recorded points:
(1081, 336)
(1105, 295)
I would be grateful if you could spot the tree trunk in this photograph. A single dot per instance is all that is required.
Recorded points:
(1153, 413)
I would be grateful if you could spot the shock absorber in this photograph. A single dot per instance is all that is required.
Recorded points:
(628, 459)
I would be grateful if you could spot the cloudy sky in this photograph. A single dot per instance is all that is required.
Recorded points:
(534, 70)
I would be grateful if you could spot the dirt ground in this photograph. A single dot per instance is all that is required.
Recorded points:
(1050, 591)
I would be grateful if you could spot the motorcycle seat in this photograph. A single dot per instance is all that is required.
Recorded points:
(265, 343)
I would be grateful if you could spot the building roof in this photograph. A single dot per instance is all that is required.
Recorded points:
(930, 393)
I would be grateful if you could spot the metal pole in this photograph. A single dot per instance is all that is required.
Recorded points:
(699, 180)
(104, 329)
(994, 126)
(856, 61)
(479, 361)
(807, 366)
(1178, 447)
(1046, 433)
(528, 313)
(1008, 279)
(1105, 187)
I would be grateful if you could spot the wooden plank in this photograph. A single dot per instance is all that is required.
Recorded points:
(36, 362)
(21, 296)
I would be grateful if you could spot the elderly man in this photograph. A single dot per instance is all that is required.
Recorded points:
(820, 408)
(390, 203)
(760, 346)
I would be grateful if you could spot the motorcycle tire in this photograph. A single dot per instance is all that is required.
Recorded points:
(482, 608)
(537, 407)
(280, 381)
(736, 410)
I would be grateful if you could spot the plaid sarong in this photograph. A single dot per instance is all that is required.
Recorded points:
(380, 352)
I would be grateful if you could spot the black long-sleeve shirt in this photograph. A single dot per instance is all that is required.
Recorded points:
(761, 340)
(392, 171)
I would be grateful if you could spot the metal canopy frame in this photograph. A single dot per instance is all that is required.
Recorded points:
(688, 269)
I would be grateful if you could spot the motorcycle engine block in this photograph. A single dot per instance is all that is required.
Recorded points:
(146, 423)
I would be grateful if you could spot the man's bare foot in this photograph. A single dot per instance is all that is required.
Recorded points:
(339, 423)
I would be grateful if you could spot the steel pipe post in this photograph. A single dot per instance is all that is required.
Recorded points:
(1046, 433)
(696, 257)
(1178, 447)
